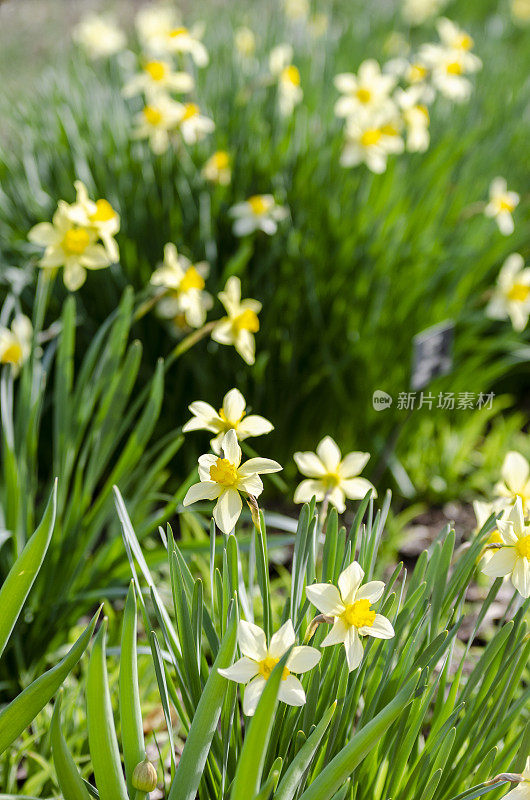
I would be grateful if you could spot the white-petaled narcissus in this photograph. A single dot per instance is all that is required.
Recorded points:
(415, 115)
(448, 68)
(350, 608)
(230, 416)
(245, 41)
(158, 76)
(288, 76)
(185, 282)
(156, 121)
(193, 125)
(330, 475)
(181, 41)
(259, 213)
(223, 477)
(513, 558)
(511, 296)
(370, 139)
(15, 342)
(70, 241)
(99, 36)
(368, 90)
(218, 168)
(483, 512)
(241, 321)
(259, 659)
(502, 203)
(452, 36)
(154, 23)
(522, 790)
(101, 217)
(515, 474)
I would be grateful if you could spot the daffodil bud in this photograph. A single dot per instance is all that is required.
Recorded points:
(144, 777)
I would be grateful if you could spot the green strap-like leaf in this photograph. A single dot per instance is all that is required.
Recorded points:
(20, 579)
(132, 735)
(102, 739)
(205, 720)
(23, 710)
(70, 782)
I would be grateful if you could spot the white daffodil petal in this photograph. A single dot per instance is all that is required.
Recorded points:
(349, 581)
(234, 405)
(371, 591)
(329, 453)
(242, 671)
(521, 576)
(252, 695)
(205, 490)
(254, 425)
(303, 658)
(354, 649)
(309, 464)
(260, 466)
(308, 489)
(227, 510)
(337, 634)
(291, 691)
(515, 470)
(336, 498)
(381, 628)
(501, 563)
(251, 640)
(352, 464)
(282, 640)
(252, 484)
(231, 448)
(325, 597)
(357, 488)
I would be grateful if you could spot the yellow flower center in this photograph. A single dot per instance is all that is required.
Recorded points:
(152, 115)
(257, 204)
(221, 159)
(224, 472)
(156, 70)
(12, 354)
(266, 666)
(230, 424)
(494, 538)
(190, 110)
(358, 614)
(417, 73)
(191, 280)
(454, 68)
(291, 75)
(389, 130)
(247, 321)
(176, 32)
(332, 480)
(103, 212)
(505, 204)
(76, 241)
(363, 95)
(519, 292)
(522, 548)
(464, 41)
(371, 137)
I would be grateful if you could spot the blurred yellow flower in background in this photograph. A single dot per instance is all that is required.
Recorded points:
(99, 36)
(158, 76)
(502, 203)
(156, 121)
(241, 323)
(511, 296)
(218, 168)
(245, 41)
(368, 90)
(185, 282)
(15, 342)
(259, 213)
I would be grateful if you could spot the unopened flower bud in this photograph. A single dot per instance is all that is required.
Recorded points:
(144, 777)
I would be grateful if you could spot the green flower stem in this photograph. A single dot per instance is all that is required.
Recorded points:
(188, 342)
(148, 304)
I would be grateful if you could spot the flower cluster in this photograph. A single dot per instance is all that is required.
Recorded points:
(386, 111)
(79, 238)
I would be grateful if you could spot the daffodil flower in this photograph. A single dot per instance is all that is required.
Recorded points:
(158, 76)
(181, 41)
(511, 297)
(514, 558)
(217, 169)
(515, 473)
(15, 343)
(332, 476)
(101, 217)
(153, 24)
(99, 36)
(370, 139)
(241, 323)
(230, 416)
(156, 121)
(222, 478)
(288, 76)
(193, 125)
(71, 242)
(448, 68)
(185, 282)
(258, 661)
(522, 790)
(350, 608)
(483, 512)
(368, 90)
(451, 35)
(245, 41)
(502, 203)
(259, 213)
(416, 118)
